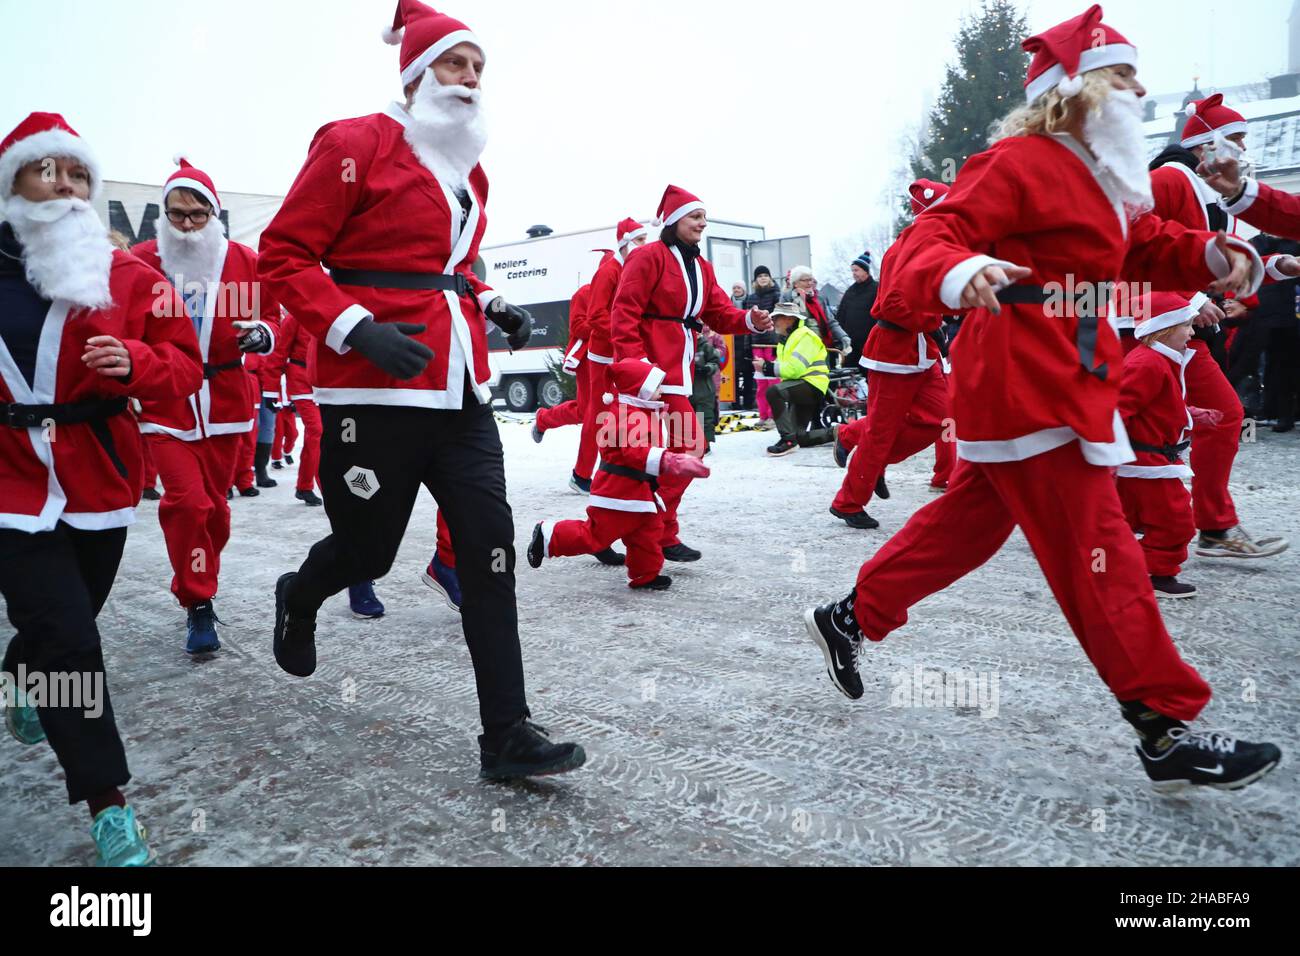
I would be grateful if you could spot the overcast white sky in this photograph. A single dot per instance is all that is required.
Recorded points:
(782, 114)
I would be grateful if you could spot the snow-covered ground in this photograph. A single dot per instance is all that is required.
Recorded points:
(712, 731)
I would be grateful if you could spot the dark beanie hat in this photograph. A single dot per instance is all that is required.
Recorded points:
(864, 261)
(762, 271)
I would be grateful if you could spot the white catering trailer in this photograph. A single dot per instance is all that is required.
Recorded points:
(542, 272)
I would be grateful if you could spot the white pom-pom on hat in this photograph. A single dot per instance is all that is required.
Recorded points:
(1071, 85)
(179, 159)
(607, 398)
(393, 37)
(929, 193)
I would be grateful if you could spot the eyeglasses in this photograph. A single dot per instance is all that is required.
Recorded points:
(176, 217)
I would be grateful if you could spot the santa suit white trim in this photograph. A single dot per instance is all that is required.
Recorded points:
(1107, 454)
(958, 277)
(1248, 197)
(692, 310)
(621, 504)
(1204, 193)
(924, 360)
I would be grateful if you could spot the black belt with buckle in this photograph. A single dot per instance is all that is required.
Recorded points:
(412, 281)
(1173, 453)
(298, 362)
(623, 472)
(211, 371)
(691, 323)
(93, 412)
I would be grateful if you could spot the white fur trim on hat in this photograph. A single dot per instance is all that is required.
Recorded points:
(632, 237)
(1158, 323)
(50, 143)
(198, 187)
(653, 380)
(1094, 58)
(1202, 139)
(425, 59)
(681, 212)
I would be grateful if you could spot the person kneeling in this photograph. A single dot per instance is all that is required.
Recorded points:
(797, 398)
(625, 504)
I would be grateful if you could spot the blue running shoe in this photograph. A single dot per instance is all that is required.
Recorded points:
(364, 604)
(120, 839)
(201, 630)
(445, 581)
(21, 721)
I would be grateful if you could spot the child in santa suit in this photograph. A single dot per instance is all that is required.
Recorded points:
(290, 362)
(907, 393)
(1153, 406)
(1056, 201)
(625, 503)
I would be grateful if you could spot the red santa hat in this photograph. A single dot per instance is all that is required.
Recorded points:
(676, 204)
(1157, 311)
(424, 35)
(635, 379)
(1068, 50)
(191, 177)
(925, 193)
(42, 136)
(1208, 116)
(629, 230)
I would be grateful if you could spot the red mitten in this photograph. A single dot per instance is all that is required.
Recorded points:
(683, 466)
(1205, 417)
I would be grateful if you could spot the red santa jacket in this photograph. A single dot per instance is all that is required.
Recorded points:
(579, 323)
(899, 342)
(290, 360)
(220, 406)
(1019, 385)
(364, 201)
(630, 435)
(1268, 210)
(1181, 196)
(600, 307)
(654, 284)
(1153, 406)
(66, 473)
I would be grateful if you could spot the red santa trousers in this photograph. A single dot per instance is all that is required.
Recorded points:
(446, 553)
(286, 434)
(194, 515)
(1214, 448)
(905, 415)
(685, 436)
(1070, 513)
(945, 459)
(593, 382)
(639, 531)
(309, 457)
(150, 469)
(243, 473)
(1160, 509)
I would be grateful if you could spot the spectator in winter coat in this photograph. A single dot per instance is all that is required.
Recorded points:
(710, 357)
(764, 296)
(738, 294)
(854, 313)
(817, 311)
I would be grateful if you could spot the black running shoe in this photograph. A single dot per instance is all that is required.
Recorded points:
(537, 547)
(681, 553)
(1208, 759)
(309, 498)
(294, 643)
(782, 448)
(882, 489)
(832, 629)
(230, 494)
(525, 750)
(151, 494)
(857, 519)
(581, 485)
(288, 459)
(1171, 587)
(611, 558)
(277, 466)
(661, 583)
(249, 493)
(839, 451)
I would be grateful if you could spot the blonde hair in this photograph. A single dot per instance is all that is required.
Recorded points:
(1149, 340)
(1054, 113)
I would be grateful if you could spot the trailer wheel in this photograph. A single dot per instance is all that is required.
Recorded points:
(549, 393)
(519, 394)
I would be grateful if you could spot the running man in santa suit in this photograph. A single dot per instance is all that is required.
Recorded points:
(631, 235)
(291, 361)
(666, 294)
(907, 393)
(196, 440)
(83, 328)
(1183, 197)
(1058, 199)
(391, 204)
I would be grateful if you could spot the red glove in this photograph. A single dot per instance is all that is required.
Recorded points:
(685, 466)
(1205, 417)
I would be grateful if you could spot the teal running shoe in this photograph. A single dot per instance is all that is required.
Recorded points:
(21, 721)
(120, 839)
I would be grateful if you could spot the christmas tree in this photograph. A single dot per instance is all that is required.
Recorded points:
(984, 85)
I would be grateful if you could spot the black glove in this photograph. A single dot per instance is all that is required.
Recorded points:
(270, 404)
(517, 323)
(255, 341)
(391, 348)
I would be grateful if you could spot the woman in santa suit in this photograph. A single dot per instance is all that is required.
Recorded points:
(83, 328)
(1057, 201)
(667, 293)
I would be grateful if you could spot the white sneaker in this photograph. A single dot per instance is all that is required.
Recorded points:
(1238, 544)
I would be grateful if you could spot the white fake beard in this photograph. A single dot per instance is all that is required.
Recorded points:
(446, 134)
(1115, 136)
(66, 251)
(192, 258)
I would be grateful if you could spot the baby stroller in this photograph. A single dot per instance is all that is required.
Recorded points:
(846, 396)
